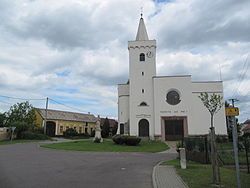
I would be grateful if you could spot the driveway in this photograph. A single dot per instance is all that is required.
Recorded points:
(28, 165)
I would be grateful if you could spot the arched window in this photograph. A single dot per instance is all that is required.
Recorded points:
(143, 104)
(142, 57)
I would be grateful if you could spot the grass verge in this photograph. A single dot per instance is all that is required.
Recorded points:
(108, 146)
(199, 175)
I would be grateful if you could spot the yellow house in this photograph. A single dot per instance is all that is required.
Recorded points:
(58, 121)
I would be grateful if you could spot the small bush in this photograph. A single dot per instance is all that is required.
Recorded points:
(128, 140)
(221, 139)
(33, 136)
(92, 134)
(132, 140)
(39, 130)
(20, 127)
(118, 139)
(97, 140)
(70, 133)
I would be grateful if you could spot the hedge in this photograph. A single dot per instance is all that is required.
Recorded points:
(33, 136)
(128, 140)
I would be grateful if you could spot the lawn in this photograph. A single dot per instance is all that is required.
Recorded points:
(199, 175)
(108, 146)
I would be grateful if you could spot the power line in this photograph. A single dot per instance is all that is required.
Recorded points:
(31, 99)
(18, 98)
(77, 109)
(242, 76)
(74, 108)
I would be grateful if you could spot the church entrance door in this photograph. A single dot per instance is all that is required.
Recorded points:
(174, 129)
(143, 128)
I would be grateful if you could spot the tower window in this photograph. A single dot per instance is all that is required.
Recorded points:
(142, 73)
(142, 90)
(143, 104)
(142, 57)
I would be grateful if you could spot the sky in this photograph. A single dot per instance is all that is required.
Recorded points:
(75, 52)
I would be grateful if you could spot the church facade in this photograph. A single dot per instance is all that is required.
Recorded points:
(162, 107)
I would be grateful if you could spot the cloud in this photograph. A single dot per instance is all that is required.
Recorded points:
(76, 51)
(190, 24)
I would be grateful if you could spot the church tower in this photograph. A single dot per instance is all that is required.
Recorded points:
(142, 69)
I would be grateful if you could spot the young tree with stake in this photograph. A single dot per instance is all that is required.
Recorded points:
(213, 103)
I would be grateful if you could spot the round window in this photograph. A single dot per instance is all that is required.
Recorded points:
(173, 97)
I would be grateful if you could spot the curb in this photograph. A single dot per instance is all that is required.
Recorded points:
(153, 175)
(156, 183)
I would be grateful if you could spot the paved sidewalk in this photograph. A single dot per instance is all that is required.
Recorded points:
(165, 176)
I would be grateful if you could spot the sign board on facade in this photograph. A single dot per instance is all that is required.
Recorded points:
(232, 111)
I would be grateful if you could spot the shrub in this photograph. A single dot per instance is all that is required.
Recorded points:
(118, 139)
(105, 128)
(128, 140)
(83, 136)
(33, 136)
(20, 127)
(97, 140)
(221, 139)
(39, 130)
(132, 140)
(70, 133)
(92, 134)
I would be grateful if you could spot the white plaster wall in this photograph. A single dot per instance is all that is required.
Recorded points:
(139, 82)
(123, 104)
(162, 85)
(200, 121)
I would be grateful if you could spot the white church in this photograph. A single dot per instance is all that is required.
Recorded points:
(162, 107)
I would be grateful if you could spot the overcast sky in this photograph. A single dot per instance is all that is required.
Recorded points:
(75, 52)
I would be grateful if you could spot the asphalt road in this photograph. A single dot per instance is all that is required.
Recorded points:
(28, 166)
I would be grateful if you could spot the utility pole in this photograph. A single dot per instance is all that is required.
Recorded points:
(46, 113)
(235, 145)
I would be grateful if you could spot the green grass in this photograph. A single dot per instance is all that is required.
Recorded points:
(199, 175)
(109, 146)
(5, 142)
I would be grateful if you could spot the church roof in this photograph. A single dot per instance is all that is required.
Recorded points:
(68, 116)
(142, 32)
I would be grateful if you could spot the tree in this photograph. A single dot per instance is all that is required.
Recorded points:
(105, 128)
(213, 103)
(114, 129)
(21, 116)
(21, 112)
(2, 119)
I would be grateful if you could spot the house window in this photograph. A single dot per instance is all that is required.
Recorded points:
(80, 130)
(61, 129)
(142, 90)
(86, 124)
(142, 73)
(142, 57)
(86, 130)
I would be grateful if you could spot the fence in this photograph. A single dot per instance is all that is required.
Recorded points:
(198, 149)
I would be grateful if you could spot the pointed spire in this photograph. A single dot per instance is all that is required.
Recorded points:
(141, 32)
